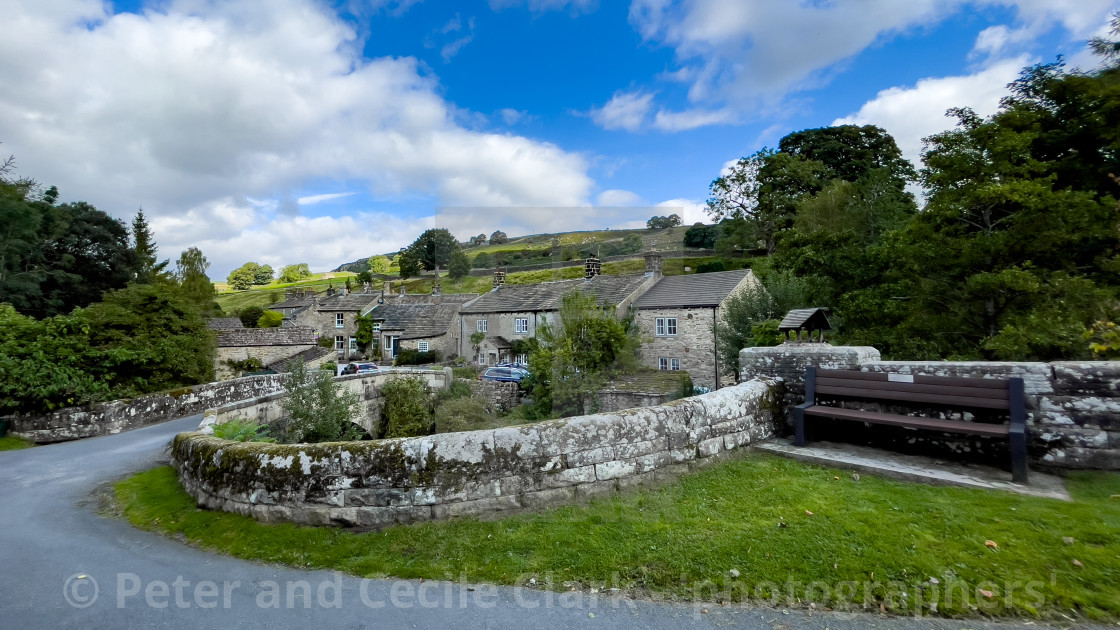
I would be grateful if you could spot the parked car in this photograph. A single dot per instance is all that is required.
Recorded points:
(503, 374)
(359, 368)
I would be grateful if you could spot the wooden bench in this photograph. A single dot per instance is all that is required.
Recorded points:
(943, 391)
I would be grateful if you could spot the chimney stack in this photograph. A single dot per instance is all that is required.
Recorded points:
(592, 267)
(499, 278)
(653, 264)
(436, 290)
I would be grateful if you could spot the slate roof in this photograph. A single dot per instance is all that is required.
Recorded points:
(421, 298)
(693, 290)
(294, 302)
(800, 317)
(522, 298)
(418, 321)
(500, 342)
(348, 302)
(224, 323)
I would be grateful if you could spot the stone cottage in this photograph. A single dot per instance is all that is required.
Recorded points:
(269, 346)
(420, 327)
(509, 313)
(335, 316)
(676, 316)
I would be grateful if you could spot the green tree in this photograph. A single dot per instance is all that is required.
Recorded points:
(483, 261)
(379, 264)
(294, 273)
(702, 236)
(432, 250)
(190, 273)
(316, 408)
(250, 315)
(148, 266)
(459, 267)
(579, 353)
(631, 244)
(407, 408)
(748, 317)
(408, 265)
(660, 223)
(270, 319)
(242, 278)
(264, 274)
(498, 238)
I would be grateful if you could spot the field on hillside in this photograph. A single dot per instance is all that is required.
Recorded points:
(671, 239)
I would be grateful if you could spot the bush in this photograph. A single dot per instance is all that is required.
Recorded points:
(250, 316)
(462, 414)
(483, 261)
(458, 389)
(469, 372)
(329, 366)
(405, 410)
(242, 430)
(317, 409)
(270, 319)
(415, 357)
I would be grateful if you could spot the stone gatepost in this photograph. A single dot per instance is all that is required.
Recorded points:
(789, 360)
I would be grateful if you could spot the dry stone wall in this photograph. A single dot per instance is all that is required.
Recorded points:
(1073, 408)
(377, 483)
(121, 415)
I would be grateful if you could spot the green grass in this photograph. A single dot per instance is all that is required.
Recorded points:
(13, 443)
(890, 536)
(231, 300)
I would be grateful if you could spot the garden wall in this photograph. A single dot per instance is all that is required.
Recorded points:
(121, 415)
(378, 483)
(267, 408)
(1073, 407)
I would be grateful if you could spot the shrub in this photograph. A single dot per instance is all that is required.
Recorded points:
(242, 430)
(329, 366)
(316, 409)
(469, 372)
(483, 260)
(415, 357)
(250, 316)
(405, 410)
(462, 414)
(270, 319)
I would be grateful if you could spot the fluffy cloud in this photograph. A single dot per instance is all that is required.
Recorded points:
(625, 110)
(615, 197)
(912, 113)
(739, 57)
(193, 108)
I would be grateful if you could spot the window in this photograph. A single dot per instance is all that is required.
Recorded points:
(670, 364)
(521, 325)
(674, 364)
(481, 325)
(422, 346)
(340, 343)
(376, 326)
(521, 359)
(665, 327)
(339, 320)
(353, 344)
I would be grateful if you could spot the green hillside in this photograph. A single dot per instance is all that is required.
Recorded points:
(535, 249)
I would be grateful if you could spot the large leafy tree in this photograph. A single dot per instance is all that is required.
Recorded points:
(432, 251)
(190, 273)
(295, 273)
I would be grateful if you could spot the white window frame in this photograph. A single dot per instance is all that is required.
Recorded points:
(377, 327)
(339, 320)
(671, 326)
(674, 365)
(659, 327)
(668, 364)
(521, 325)
(480, 325)
(662, 363)
(339, 343)
(521, 359)
(353, 344)
(422, 346)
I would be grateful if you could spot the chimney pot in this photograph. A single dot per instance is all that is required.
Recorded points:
(592, 267)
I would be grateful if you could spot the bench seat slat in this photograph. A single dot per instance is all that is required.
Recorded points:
(936, 424)
(925, 388)
(956, 381)
(916, 397)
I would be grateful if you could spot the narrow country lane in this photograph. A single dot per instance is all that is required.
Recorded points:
(51, 531)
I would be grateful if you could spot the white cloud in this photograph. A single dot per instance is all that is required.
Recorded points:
(313, 199)
(912, 113)
(193, 108)
(513, 116)
(691, 119)
(616, 198)
(625, 110)
(574, 7)
(746, 56)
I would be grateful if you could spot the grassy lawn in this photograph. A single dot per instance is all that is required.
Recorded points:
(231, 300)
(781, 524)
(13, 443)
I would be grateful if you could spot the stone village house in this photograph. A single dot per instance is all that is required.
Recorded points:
(676, 317)
(509, 313)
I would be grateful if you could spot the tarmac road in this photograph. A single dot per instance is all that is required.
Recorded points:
(64, 564)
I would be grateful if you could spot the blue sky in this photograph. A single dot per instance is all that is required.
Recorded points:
(302, 131)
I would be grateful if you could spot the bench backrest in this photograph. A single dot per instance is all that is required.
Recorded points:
(977, 393)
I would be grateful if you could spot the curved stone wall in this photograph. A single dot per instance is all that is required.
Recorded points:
(378, 483)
